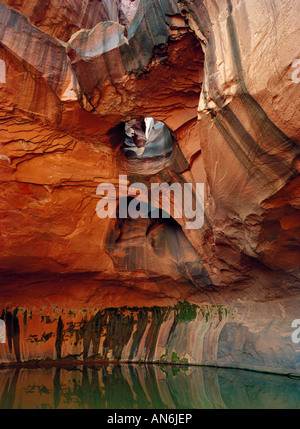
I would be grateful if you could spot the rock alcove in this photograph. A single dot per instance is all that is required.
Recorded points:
(74, 286)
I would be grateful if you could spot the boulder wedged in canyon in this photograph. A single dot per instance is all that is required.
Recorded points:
(74, 286)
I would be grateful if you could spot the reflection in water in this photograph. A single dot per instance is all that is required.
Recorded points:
(145, 387)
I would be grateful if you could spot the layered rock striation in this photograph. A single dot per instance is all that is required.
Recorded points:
(221, 77)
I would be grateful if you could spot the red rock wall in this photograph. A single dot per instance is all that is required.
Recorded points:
(70, 319)
(70, 80)
(61, 19)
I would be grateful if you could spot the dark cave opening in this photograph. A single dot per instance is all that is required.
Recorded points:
(154, 244)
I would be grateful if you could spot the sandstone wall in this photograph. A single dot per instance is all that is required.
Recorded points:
(220, 75)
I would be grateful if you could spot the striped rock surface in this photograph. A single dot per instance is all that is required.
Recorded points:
(223, 78)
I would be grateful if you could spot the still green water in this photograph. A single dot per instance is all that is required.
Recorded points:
(145, 387)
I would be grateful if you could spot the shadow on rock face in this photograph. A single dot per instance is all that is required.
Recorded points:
(158, 246)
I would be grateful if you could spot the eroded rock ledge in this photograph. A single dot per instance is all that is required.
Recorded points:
(220, 77)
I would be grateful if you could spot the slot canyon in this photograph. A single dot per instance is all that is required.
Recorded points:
(214, 79)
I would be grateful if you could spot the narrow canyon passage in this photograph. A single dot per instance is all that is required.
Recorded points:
(172, 93)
